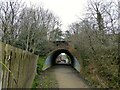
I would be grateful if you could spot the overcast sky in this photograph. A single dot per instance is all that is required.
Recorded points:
(67, 10)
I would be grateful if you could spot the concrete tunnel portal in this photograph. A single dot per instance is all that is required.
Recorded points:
(51, 59)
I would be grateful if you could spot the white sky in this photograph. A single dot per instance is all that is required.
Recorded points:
(67, 10)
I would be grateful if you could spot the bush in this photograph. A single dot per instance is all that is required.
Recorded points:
(40, 63)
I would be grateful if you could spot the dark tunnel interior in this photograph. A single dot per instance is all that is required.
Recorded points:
(56, 53)
(63, 56)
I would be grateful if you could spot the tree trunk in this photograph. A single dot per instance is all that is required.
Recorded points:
(28, 37)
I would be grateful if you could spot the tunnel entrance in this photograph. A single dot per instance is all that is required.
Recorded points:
(51, 59)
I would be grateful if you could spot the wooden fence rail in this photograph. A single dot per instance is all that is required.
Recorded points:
(17, 67)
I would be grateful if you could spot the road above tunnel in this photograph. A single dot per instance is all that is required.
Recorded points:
(68, 77)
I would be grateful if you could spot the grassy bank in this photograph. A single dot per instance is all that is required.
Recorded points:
(44, 79)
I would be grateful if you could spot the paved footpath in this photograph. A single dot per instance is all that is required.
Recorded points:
(68, 77)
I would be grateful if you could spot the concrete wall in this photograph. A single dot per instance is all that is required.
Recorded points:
(20, 67)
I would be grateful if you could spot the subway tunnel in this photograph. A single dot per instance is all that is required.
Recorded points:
(51, 59)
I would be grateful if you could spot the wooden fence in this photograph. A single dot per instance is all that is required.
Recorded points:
(17, 67)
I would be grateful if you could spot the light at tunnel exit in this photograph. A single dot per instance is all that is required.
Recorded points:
(63, 59)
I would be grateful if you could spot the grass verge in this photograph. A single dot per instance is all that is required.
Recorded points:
(44, 79)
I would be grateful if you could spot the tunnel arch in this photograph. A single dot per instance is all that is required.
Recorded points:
(50, 60)
(56, 53)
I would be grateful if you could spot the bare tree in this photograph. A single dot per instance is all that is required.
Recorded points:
(36, 25)
(104, 17)
(9, 18)
(95, 38)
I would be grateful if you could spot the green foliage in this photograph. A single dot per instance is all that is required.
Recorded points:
(47, 80)
(35, 82)
(56, 35)
(44, 79)
(98, 55)
(40, 63)
(34, 28)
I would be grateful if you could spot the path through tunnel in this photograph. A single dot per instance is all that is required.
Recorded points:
(51, 59)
